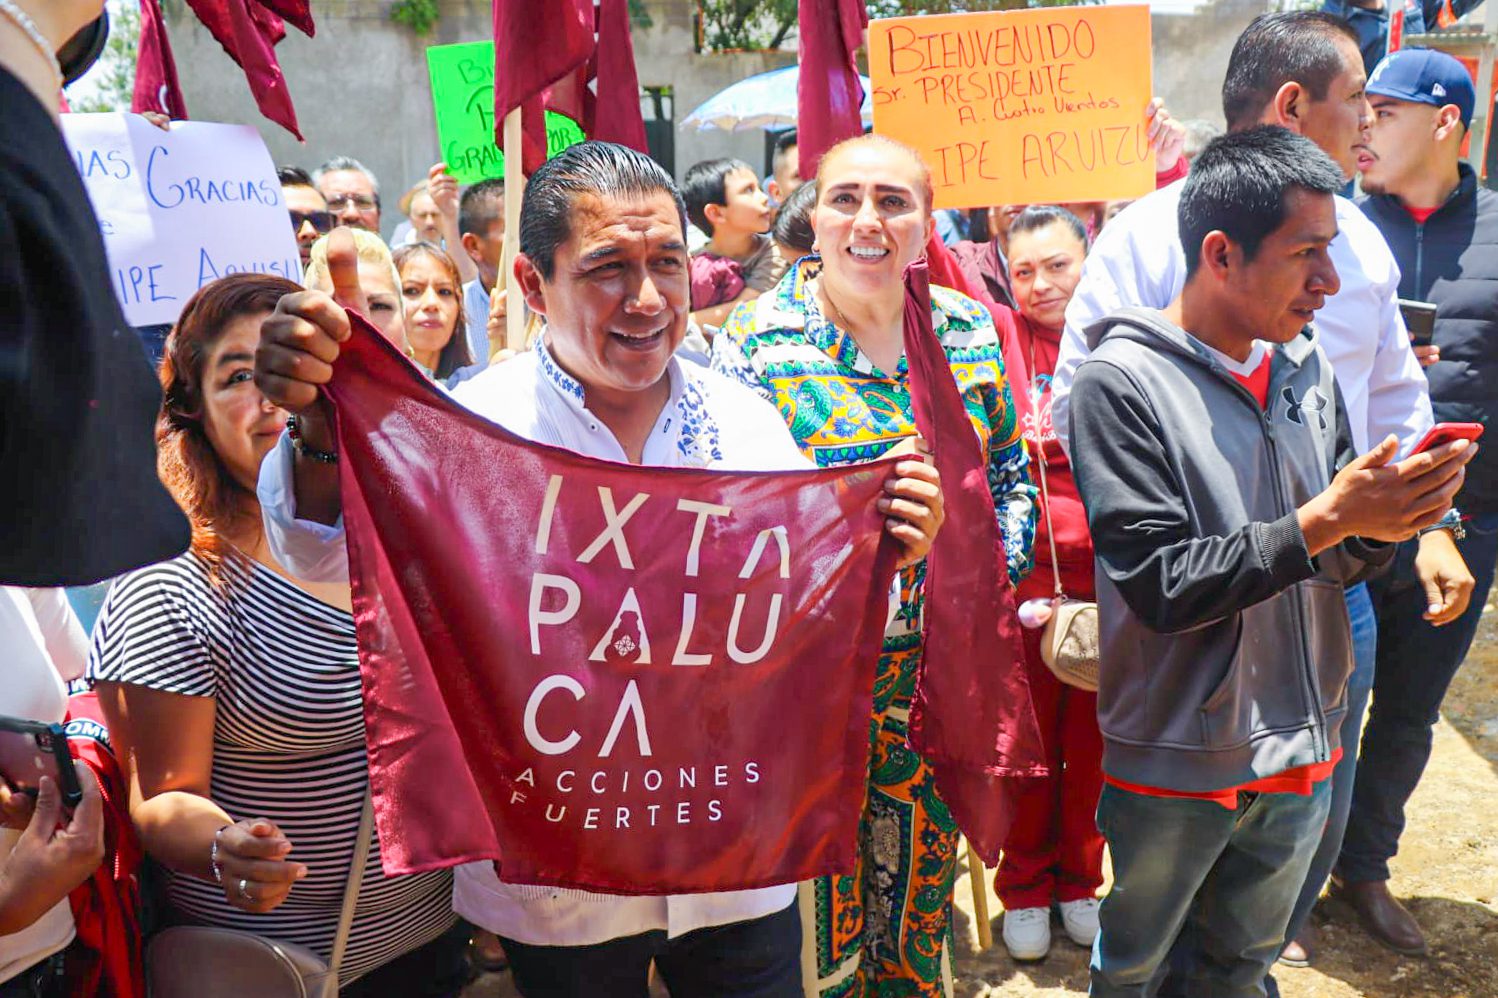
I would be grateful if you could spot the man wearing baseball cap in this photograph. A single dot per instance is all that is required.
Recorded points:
(1443, 228)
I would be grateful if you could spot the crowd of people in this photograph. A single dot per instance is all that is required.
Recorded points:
(1201, 411)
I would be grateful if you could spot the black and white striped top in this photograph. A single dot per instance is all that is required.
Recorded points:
(288, 744)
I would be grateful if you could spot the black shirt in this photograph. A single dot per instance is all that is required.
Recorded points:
(79, 496)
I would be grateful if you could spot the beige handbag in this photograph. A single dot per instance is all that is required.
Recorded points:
(1069, 643)
(194, 961)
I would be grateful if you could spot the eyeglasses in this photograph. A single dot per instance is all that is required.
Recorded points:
(363, 202)
(321, 221)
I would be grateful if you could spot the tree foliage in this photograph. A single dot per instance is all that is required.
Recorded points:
(764, 24)
(113, 76)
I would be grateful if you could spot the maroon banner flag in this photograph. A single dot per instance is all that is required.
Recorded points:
(625, 679)
(972, 716)
(829, 94)
(249, 31)
(538, 44)
(156, 85)
(615, 114)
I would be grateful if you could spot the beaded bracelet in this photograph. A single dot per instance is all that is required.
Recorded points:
(294, 430)
(218, 871)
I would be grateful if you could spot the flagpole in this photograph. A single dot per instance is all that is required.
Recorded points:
(514, 190)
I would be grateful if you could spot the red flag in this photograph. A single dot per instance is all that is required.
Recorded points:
(536, 44)
(829, 94)
(972, 717)
(626, 679)
(615, 114)
(249, 32)
(254, 27)
(156, 85)
(297, 12)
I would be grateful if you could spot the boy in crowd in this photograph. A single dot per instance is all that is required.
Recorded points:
(739, 263)
(481, 227)
(1443, 229)
(1222, 556)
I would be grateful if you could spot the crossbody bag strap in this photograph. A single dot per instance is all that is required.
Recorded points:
(1045, 496)
(355, 881)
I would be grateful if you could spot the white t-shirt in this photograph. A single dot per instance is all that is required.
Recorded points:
(41, 646)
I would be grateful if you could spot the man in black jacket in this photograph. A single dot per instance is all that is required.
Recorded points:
(1443, 229)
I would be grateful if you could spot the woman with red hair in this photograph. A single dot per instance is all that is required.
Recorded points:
(233, 693)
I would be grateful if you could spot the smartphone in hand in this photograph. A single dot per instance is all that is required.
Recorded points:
(30, 750)
(1420, 320)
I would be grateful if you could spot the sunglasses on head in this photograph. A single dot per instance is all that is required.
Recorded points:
(322, 221)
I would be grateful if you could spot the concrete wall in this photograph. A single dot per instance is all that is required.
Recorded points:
(361, 85)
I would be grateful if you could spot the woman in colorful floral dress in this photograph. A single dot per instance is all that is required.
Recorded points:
(826, 347)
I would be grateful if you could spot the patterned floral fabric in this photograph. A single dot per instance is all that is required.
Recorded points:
(884, 930)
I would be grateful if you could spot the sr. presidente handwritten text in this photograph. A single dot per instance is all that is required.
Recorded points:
(1008, 72)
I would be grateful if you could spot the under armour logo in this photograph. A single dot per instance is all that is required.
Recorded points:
(1313, 402)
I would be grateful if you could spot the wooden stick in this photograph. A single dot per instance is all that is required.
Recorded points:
(978, 876)
(514, 191)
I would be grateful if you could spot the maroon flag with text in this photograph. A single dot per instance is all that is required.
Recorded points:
(972, 716)
(156, 85)
(625, 679)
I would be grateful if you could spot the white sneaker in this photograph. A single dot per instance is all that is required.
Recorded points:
(1027, 933)
(1079, 918)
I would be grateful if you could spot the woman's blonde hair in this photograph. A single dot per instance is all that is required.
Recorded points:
(371, 250)
(923, 173)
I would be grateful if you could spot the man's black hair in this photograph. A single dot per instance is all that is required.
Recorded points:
(793, 223)
(1239, 182)
(785, 140)
(603, 169)
(705, 184)
(1039, 216)
(1293, 46)
(294, 176)
(480, 206)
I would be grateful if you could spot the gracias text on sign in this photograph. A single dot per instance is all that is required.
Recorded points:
(180, 208)
(1019, 107)
(463, 98)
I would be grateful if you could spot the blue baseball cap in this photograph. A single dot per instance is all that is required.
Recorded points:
(1425, 76)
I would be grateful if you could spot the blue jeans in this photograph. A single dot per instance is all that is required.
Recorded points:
(1359, 685)
(1416, 663)
(1200, 890)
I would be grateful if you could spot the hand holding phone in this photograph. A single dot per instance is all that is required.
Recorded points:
(30, 750)
(1420, 320)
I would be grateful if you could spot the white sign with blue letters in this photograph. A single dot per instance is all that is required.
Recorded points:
(180, 208)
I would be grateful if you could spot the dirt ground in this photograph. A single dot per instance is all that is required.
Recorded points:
(1446, 872)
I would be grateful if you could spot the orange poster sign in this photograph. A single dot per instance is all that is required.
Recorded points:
(1020, 107)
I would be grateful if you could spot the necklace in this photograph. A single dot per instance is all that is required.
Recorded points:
(23, 21)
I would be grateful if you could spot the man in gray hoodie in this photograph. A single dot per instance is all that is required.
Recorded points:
(1228, 510)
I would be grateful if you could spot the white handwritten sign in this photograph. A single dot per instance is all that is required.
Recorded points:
(180, 208)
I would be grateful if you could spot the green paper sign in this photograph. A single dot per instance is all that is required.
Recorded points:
(463, 96)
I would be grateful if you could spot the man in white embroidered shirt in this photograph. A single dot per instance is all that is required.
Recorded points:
(1300, 70)
(603, 258)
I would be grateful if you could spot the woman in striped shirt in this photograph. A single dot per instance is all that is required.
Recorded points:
(234, 692)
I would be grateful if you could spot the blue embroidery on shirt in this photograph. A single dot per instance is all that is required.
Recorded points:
(698, 439)
(565, 383)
